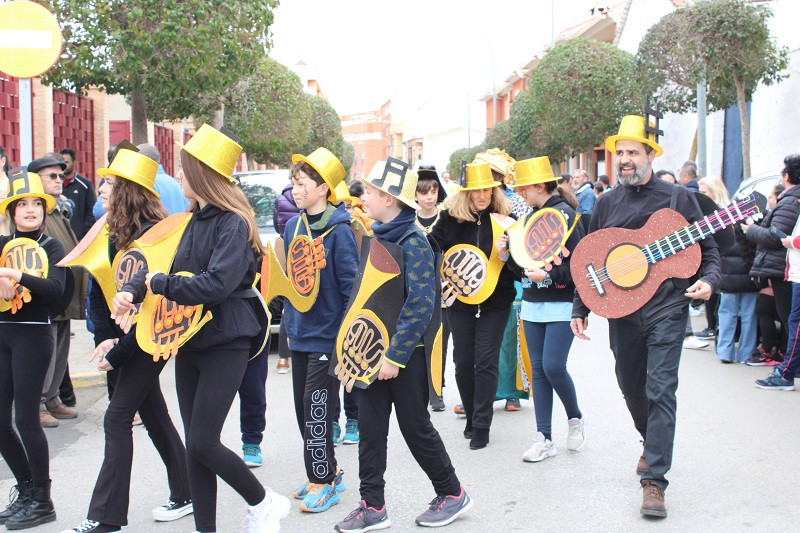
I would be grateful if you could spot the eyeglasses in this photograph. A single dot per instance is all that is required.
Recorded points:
(55, 176)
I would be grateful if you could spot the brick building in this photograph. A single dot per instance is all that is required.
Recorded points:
(369, 134)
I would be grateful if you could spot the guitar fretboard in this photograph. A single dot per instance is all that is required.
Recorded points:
(688, 235)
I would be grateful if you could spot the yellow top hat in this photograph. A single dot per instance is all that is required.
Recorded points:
(134, 167)
(479, 176)
(632, 129)
(394, 178)
(342, 194)
(327, 166)
(498, 160)
(216, 150)
(532, 171)
(25, 184)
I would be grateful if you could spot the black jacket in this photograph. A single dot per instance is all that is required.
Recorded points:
(214, 247)
(448, 232)
(736, 264)
(631, 208)
(562, 288)
(770, 261)
(81, 191)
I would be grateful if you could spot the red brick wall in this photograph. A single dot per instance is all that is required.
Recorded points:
(73, 127)
(9, 118)
(165, 141)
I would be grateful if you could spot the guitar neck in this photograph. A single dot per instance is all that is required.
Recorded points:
(693, 233)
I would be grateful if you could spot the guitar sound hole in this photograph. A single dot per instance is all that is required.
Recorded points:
(626, 266)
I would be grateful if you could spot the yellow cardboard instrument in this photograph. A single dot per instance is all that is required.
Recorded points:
(25, 255)
(541, 239)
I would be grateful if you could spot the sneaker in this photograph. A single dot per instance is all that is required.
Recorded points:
(90, 526)
(364, 518)
(760, 358)
(320, 498)
(172, 511)
(337, 433)
(283, 365)
(775, 382)
(47, 420)
(444, 509)
(707, 334)
(303, 490)
(693, 343)
(251, 453)
(696, 311)
(653, 500)
(137, 420)
(512, 404)
(576, 436)
(266, 516)
(351, 434)
(62, 412)
(774, 359)
(540, 450)
(459, 410)
(437, 404)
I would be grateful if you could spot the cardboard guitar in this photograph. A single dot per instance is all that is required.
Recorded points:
(616, 271)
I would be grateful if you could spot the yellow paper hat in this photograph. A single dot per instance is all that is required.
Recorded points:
(532, 171)
(342, 194)
(394, 178)
(499, 161)
(632, 129)
(134, 167)
(216, 150)
(327, 166)
(25, 184)
(479, 176)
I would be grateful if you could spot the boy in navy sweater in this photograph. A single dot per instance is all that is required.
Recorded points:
(403, 376)
(312, 334)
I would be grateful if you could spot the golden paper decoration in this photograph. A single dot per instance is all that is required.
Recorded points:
(27, 256)
(541, 240)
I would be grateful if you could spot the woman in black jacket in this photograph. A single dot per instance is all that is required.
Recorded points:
(739, 295)
(476, 217)
(28, 293)
(770, 261)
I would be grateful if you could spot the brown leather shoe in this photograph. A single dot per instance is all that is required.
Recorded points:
(47, 420)
(642, 466)
(653, 500)
(63, 412)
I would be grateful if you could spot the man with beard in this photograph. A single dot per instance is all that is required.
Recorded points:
(80, 191)
(647, 343)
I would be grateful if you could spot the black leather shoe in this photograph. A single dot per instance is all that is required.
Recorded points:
(480, 438)
(18, 499)
(37, 510)
(468, 430)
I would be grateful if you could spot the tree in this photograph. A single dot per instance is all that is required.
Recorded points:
(172, 58)
(462, 154)
(724, 42)
(499, 136)
(527, 139)
(580, 91)
(325, 129)
(270, 112)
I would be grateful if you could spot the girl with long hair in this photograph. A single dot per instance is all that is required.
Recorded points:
(220, 247)
(475, 218)
(133, 206)
(27, 341)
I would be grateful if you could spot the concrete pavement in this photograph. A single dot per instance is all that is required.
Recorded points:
(731, 446)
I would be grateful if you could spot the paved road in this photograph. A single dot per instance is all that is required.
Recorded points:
(734, 463)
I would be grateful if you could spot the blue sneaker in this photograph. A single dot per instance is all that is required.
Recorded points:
(351, 435)
(775, 382)
(320, 498)
(337, 433)
(302, 491)
(252, 455)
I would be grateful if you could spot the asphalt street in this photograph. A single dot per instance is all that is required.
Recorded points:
(734, 466)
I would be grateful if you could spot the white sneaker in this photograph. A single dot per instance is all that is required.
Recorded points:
(540, 450)
(172, 511)
(576, 436)
(693, 343)
(266, 516)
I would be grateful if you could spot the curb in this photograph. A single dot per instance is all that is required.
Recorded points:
(82, 380)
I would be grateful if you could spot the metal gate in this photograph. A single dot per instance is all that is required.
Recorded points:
(9, 118)
(73, 127)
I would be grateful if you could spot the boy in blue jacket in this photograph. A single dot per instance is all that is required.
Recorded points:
(403, 376)
(312, 334)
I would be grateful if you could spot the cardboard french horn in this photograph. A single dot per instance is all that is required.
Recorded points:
(540, 241)
(27, 256)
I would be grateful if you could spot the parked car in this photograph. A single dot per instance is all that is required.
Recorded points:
(763, 183)
(262, 187)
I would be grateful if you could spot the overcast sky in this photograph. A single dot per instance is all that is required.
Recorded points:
(368, 51)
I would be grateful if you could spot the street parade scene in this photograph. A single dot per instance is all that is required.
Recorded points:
(312, 266)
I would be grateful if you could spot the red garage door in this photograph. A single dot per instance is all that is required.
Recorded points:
(9, 118)
(165, 142)
(73, 127)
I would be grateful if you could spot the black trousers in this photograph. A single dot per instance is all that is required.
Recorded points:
(767, 316)
(315, 399)
(445, 344)
(138, 389)
(25, 353)
(350, 405)
(783, 305)
(206, 384)
(253, 400)
(476, 352)
(408, 392)
(647, 360)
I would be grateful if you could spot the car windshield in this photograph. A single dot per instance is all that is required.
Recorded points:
(262, 189)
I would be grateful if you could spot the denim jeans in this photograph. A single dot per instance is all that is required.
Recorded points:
(730, 305)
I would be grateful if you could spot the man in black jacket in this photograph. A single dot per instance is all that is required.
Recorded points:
(80, 190)
(647, 343)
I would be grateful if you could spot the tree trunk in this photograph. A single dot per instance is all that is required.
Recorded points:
(693, 149)
(745, 121)
(251, 163)
(218, 120)
(591, 167)
(138, 118)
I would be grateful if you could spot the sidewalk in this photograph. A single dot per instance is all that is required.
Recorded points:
(83, 372)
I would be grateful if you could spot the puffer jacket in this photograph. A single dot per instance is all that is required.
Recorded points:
(284, 209)
(736, 264)
(770, 260)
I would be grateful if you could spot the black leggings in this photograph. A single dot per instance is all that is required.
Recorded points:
(25, 352)
(206, 384)
(767, 316)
